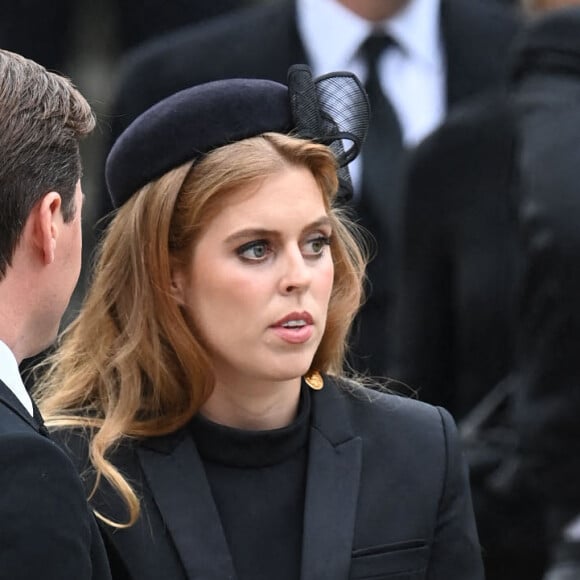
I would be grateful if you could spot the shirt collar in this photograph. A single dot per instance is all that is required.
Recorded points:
(331, 34)
(417, 29)
(10, 375)
(334, 45)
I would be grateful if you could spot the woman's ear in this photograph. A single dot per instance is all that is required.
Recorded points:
(178, 284)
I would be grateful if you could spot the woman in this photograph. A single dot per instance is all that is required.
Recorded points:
(200, 388)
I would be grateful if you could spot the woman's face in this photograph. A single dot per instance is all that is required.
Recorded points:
(260, 279)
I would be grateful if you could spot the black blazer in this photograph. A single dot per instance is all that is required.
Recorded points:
(386, 496)
(263, 42)
(46, 528)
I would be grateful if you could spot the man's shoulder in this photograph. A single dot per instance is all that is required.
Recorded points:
(30, 456)
(478, 38)
(195, 48)
(486, 17)
(254, 42)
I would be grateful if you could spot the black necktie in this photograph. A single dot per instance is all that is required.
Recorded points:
(378, 210)
(383, 149)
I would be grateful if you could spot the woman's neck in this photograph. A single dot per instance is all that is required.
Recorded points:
(257, 408)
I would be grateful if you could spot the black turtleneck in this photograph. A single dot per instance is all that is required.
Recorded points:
(258, 483)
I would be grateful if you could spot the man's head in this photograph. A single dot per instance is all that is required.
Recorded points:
(42, 119)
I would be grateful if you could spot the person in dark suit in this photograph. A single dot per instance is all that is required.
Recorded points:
(442, 53)
(46, 528)
(212, 419)
(460, 292)
(547, 403)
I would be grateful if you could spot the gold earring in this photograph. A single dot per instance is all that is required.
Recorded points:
(314, 380)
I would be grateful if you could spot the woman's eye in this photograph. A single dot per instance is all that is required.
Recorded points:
(255, 251)
(315, 246)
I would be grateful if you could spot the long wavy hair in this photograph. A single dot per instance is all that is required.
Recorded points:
(130, 365)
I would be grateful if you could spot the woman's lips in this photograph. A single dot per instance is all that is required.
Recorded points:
(294, 317)
(295, 328)
(294, 335)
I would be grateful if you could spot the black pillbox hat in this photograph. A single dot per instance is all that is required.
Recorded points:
(332, 109)
(190, 123)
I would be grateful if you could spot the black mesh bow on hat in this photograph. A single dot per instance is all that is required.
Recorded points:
(332, 109)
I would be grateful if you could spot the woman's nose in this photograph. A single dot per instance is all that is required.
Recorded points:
(297, 273)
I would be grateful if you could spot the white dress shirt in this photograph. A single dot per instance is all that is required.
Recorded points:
(10, 376)
(412, 74)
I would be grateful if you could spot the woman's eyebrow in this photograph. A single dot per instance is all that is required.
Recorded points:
(251, 233)
(265, 232)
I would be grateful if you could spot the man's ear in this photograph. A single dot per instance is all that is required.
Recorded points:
(48, 221)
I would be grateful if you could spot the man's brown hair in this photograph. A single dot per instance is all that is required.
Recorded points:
(42, 118)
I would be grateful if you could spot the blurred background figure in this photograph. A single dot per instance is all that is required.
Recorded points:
(547, 403)
(29, 26)
(418, 58)
(459, 292)
(459, 254)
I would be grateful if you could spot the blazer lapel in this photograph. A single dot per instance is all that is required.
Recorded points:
(8, 398)
(334, 466)
(176, 477)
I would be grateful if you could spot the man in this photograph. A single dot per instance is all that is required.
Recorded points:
(46, 529)
(440, 52)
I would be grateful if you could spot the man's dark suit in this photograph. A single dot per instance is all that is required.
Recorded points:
(42, 505)
(386, 496)
(262, 42)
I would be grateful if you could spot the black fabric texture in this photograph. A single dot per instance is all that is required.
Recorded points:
(257, 480)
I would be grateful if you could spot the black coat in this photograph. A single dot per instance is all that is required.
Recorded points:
(547, 94)
(459, 279)
(386, 495)
(46, 528)
(263, 42)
